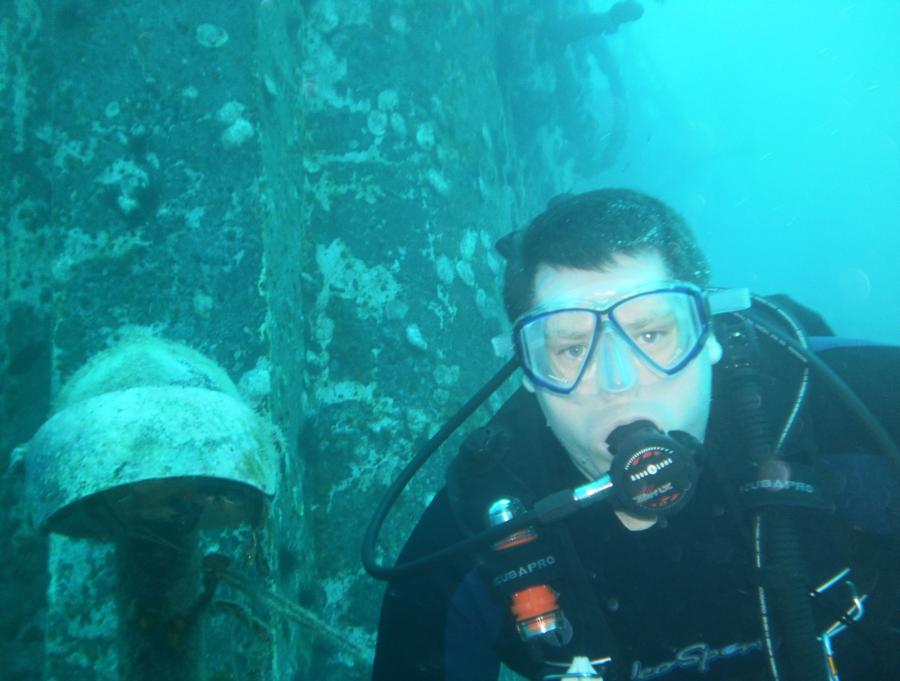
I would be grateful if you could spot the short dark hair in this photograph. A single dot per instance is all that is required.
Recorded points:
(585, 231)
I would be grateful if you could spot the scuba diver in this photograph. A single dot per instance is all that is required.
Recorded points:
(690, 483)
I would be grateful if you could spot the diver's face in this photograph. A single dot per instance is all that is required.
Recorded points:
(583, 419)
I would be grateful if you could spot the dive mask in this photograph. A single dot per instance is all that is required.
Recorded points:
(663, 327)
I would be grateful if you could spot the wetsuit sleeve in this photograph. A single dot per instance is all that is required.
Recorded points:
(870, 492)
(413, 629)
(473, 626)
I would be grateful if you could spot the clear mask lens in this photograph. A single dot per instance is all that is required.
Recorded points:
(662, 329)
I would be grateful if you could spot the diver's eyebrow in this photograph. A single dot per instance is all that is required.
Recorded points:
(569, 334)
(570, 328)
(650, 320)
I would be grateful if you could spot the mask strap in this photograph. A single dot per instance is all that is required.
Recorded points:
(503, 345)
(728, 300)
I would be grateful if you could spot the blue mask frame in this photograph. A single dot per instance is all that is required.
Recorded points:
(603, 318)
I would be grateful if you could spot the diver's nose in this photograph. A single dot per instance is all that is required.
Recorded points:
(616, 370)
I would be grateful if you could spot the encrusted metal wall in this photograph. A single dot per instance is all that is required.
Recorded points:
(306, 192)
(405, 154)
(155, 191)
(25, 323)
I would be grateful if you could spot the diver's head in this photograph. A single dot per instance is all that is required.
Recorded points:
(612, 325)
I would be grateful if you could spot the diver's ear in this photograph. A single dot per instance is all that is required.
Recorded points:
(527, 384)
(714, 348)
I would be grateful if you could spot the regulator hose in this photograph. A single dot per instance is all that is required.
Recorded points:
(396, 488)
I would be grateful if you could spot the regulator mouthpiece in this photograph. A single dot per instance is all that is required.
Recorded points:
(653, 473)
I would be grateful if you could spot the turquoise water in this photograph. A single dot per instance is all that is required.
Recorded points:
(775, 128)
(307, 193)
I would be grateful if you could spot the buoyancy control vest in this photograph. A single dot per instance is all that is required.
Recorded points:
(517, 456)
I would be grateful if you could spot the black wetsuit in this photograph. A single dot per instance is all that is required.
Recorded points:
(678, 600)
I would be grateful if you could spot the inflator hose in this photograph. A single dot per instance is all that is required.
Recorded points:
(785, 580)
(802, 655)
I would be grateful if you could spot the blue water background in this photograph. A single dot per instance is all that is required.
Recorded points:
(774, 127)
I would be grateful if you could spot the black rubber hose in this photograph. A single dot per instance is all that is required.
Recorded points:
(745, 383)
(748, 398)
(786, 583)
(801, 656)
(397, 486)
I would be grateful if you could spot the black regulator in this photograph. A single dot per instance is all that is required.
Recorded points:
(652, 474)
